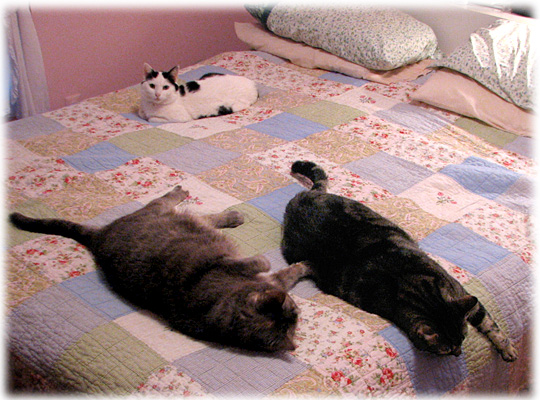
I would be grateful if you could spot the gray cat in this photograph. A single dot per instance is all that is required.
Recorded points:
(356, 254)
(182, 268)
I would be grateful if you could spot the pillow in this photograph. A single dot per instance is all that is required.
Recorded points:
(305, 56)
(376, 38)
(501, 58)
(455, 92)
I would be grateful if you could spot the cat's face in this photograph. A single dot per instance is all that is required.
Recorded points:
(159, 87)
(444, 334)
(266, 320)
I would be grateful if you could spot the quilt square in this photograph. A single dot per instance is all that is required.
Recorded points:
(519, 196)
(413, 117)
(53, 319)
(59, 143)
(482, 177)
(439, 374)
(223, 371)
(142, 178)
(440, 196)
(258, 234)
(287, 126)
(337, 77)
(157, 335)
(84, 198)
(365, 100)
(392, 173)
(100, 157)
(338, 146)
(464, 248)
(91, 120)
(243, 140)
(149, 141)
(27, 128)
(196, 157)
(56, 258)
(195, 74)
(92, 290)
(326, 113)
(274, 203)
(244, 178)
(120, 362)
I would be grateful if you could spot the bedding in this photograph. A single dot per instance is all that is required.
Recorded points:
(306, 56)
(376, 38)
(461, 188)
(450, 90)
(500, 57)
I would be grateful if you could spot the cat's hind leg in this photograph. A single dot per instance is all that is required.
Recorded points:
(225, 219)
(170, 200)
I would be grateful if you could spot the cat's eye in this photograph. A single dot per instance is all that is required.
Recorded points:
(152, 85)
(165, 87)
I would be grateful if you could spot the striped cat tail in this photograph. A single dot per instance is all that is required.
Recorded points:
(60, 227)
(310, 170)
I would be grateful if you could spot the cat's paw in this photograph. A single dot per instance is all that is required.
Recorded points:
(233, 219)
(179, 193)
(258, 263)
(509, 354)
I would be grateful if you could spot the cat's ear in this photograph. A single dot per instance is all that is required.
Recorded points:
(270, 302)
(465, 304)
(147, 69)
(174, 73)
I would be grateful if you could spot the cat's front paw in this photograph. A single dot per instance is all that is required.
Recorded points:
(509, 354)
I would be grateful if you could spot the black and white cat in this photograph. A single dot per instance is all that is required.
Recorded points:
(182, 268)
(363, 258)
(163, 100)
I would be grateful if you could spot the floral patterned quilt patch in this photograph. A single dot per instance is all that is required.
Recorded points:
(465, 199)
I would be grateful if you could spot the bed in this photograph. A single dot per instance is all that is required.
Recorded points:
(458, 185)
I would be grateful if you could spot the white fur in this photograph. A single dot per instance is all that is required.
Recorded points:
(163, 103)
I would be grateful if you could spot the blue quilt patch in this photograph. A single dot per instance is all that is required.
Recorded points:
(100, 157)
(412, 117)
(274, 203)
(205, 69)
(224, 371)
(337, 77)
(288, 127)
(30, 127)
(392, 173)
(463, 247)
(92, 290)
(430, 373)
(482, 177)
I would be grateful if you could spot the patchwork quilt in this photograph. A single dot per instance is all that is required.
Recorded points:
(461, 188)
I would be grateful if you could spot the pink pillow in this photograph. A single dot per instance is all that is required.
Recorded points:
(456, 92)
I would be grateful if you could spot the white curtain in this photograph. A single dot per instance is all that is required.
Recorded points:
(28, 90)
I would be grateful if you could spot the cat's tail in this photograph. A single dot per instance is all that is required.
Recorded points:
(311, 171)
(61, 227)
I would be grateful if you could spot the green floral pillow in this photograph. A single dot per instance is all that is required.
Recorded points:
(376, 38)
(501, 58)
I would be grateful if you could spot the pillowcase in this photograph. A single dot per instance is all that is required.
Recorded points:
(305, 56)
(376, 38)
(501, 58)
(455, 92)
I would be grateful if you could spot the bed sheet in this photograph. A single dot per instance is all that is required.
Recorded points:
(461, 188)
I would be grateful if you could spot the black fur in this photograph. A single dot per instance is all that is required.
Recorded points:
(367, 260)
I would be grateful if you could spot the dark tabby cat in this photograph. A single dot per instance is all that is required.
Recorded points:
(182, 268)
(363, 258)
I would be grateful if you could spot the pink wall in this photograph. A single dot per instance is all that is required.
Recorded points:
(88, 52)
